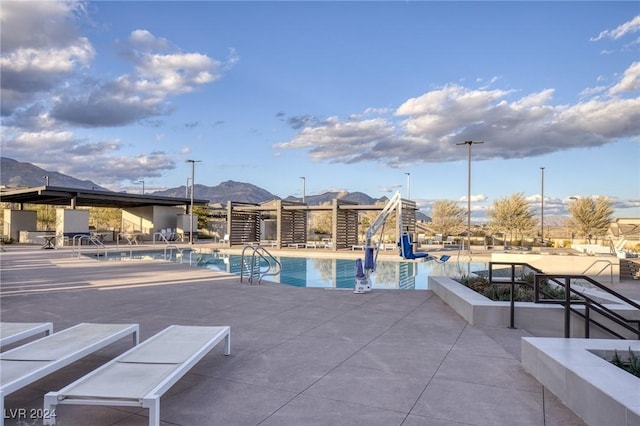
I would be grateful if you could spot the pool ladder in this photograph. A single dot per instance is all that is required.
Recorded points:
(258, 253)
(180, 252)
(91, 240)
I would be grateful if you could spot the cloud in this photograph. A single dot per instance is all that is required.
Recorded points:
(426, 128)
(47, 89)
(44, 57)
(40, 48)
(621, 31)
(141, 94)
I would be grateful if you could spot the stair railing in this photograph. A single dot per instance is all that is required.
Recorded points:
(258, 253)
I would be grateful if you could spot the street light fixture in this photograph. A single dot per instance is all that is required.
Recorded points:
(193, 166)
(542, 208)
(142, 182)
(408, 185)
(469, 143)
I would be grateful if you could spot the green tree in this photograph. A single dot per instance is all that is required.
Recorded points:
(321, 221)
(512, 216)
(590, 217)
(447, 217)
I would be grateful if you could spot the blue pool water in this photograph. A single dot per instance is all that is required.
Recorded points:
(326, 273)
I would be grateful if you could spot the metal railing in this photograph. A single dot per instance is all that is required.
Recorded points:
(169, 250)
(91, 240)
(608, 265)
(258, 253)
(577, 297)
(572, 296)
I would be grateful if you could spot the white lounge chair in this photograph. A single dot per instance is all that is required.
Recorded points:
(25, 364)
(14, 331)
(140, 376)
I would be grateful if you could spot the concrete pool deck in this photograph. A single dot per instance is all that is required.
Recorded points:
(299, 356)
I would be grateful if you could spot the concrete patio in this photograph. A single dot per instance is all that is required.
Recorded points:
(299, 356)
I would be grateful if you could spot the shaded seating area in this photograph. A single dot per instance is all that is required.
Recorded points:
(140, 376)
(25, 364)
(289, 221)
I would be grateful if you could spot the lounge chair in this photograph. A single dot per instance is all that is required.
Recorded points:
(25, 364)
(14, 331)
(140, 376)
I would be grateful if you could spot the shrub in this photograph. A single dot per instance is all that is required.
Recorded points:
(502, 292)
(632, 365)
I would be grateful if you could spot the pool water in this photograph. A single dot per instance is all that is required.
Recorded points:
(323, 272)
(341, 273)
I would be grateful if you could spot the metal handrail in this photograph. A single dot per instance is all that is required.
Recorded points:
(564, 280)
(590, 304)
(262, 253)
(609, 265)
(93, 240)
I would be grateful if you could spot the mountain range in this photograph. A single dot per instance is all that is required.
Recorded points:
(19, 174)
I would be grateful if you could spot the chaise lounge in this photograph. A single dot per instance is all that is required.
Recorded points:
(11, 332)
(140, 376)
(32, 361)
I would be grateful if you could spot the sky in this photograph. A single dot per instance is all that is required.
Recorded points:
(311, 97)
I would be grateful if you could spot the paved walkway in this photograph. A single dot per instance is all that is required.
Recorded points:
(300, 356)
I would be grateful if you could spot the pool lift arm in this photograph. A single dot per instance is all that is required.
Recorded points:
(364, 271)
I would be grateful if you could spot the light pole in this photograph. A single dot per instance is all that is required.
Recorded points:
(304, 189)
(142, 182)
(469, 143)
(193, 166)
(186, 188)
(408, 185)
(542, 208)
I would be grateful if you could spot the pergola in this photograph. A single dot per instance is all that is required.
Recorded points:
(245, 219)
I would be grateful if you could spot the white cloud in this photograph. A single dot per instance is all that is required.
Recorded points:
(620, 31)
(426, 128)
(630, 80)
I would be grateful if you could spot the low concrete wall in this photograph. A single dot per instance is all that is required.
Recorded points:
(608, 265)
(539, 319)
(593, 388)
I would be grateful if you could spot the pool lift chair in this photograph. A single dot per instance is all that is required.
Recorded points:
(366, 268)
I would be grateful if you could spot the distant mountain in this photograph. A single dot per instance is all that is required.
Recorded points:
(328, 197)
(226, 191)
(16, 174)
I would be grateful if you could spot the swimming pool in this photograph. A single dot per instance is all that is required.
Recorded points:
(329, 273)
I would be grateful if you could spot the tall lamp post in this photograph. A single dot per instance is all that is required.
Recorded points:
(408, 185)
(142, 182)
(469, 143)
(193, 166)
(542, 208)
(304, 189)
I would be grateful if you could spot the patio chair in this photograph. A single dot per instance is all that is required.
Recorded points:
(25, 364)
(14, 331)
(450, 240)
(140, 376)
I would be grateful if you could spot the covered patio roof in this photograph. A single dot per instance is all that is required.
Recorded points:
(78, 197)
